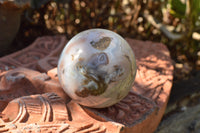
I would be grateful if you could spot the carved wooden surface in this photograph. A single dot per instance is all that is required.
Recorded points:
(39, 56)
(31, 98)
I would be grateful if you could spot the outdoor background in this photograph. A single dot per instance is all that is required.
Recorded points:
(175, 23)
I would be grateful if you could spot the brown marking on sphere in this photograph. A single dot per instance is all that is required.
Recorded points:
(83, 93)
(63, 71)
(129, 60)
(119, 96)
(92, 90)
(118, 72)
(85, 82)
(87, 70)
(80, 59)
(72, 57)
(79, 66)
(102, 44)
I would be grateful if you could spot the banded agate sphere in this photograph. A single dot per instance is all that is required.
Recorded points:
(97, 68)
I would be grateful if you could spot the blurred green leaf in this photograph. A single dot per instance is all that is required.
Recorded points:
(177, 8)
(195, 5)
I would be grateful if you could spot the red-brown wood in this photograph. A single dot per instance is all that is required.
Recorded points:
(31, 98)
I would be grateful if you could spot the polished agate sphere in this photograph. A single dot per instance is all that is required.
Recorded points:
(97, 68)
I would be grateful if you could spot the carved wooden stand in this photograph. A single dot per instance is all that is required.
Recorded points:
(31, 99)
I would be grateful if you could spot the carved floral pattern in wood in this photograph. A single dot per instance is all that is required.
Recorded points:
(44, 48)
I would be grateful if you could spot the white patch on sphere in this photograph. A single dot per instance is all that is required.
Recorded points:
(97, 68)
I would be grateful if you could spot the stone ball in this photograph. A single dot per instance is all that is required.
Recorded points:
(97, 68)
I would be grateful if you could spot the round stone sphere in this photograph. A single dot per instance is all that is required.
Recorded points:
(97, 68)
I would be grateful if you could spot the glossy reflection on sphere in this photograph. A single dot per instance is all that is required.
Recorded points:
(97, 68)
